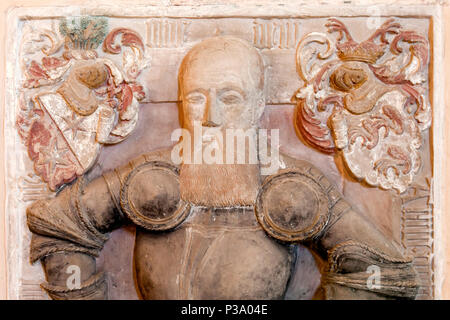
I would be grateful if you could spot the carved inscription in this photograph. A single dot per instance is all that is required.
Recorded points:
(166, 33)
(276, 33)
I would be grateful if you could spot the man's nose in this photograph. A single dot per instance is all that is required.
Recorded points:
(212, 116)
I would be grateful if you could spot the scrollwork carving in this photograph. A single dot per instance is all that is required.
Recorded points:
(75, 101)
(366, 101)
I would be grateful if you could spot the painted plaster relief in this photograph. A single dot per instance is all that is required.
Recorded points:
(74, 101)
(93, 123)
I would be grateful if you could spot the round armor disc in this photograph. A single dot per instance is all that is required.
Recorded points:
(150, 197)
(291, 206)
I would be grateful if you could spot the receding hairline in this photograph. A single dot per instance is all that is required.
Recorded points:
(211, 45)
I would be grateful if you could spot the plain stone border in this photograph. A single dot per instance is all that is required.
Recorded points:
(10, 223)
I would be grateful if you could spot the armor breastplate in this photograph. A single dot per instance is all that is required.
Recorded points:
(218, 253)
(215, 254)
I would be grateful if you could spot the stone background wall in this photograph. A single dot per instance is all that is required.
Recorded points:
(159, 117)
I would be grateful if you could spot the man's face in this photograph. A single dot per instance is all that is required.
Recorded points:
(218, 91)
(221, 88)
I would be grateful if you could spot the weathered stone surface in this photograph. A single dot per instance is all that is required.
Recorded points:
(167, 40)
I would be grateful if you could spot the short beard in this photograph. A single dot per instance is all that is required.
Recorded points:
(219, 185)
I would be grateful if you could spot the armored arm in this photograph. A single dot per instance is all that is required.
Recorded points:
(300, 205)
(362, 262)
(70, 230)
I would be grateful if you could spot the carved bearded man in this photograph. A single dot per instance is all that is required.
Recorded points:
(215, 230)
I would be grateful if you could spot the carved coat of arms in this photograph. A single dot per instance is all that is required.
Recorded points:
(366, 101)
(74, 101)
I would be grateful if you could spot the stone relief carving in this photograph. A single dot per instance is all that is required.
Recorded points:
(220, 219)
(417, 228)
(290, 211)
(367, 101)
(74, 102)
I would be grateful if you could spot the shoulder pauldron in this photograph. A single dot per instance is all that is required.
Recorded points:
(150, 196)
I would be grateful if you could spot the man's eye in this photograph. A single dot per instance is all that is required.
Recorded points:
(195, 99)
(231, 98)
